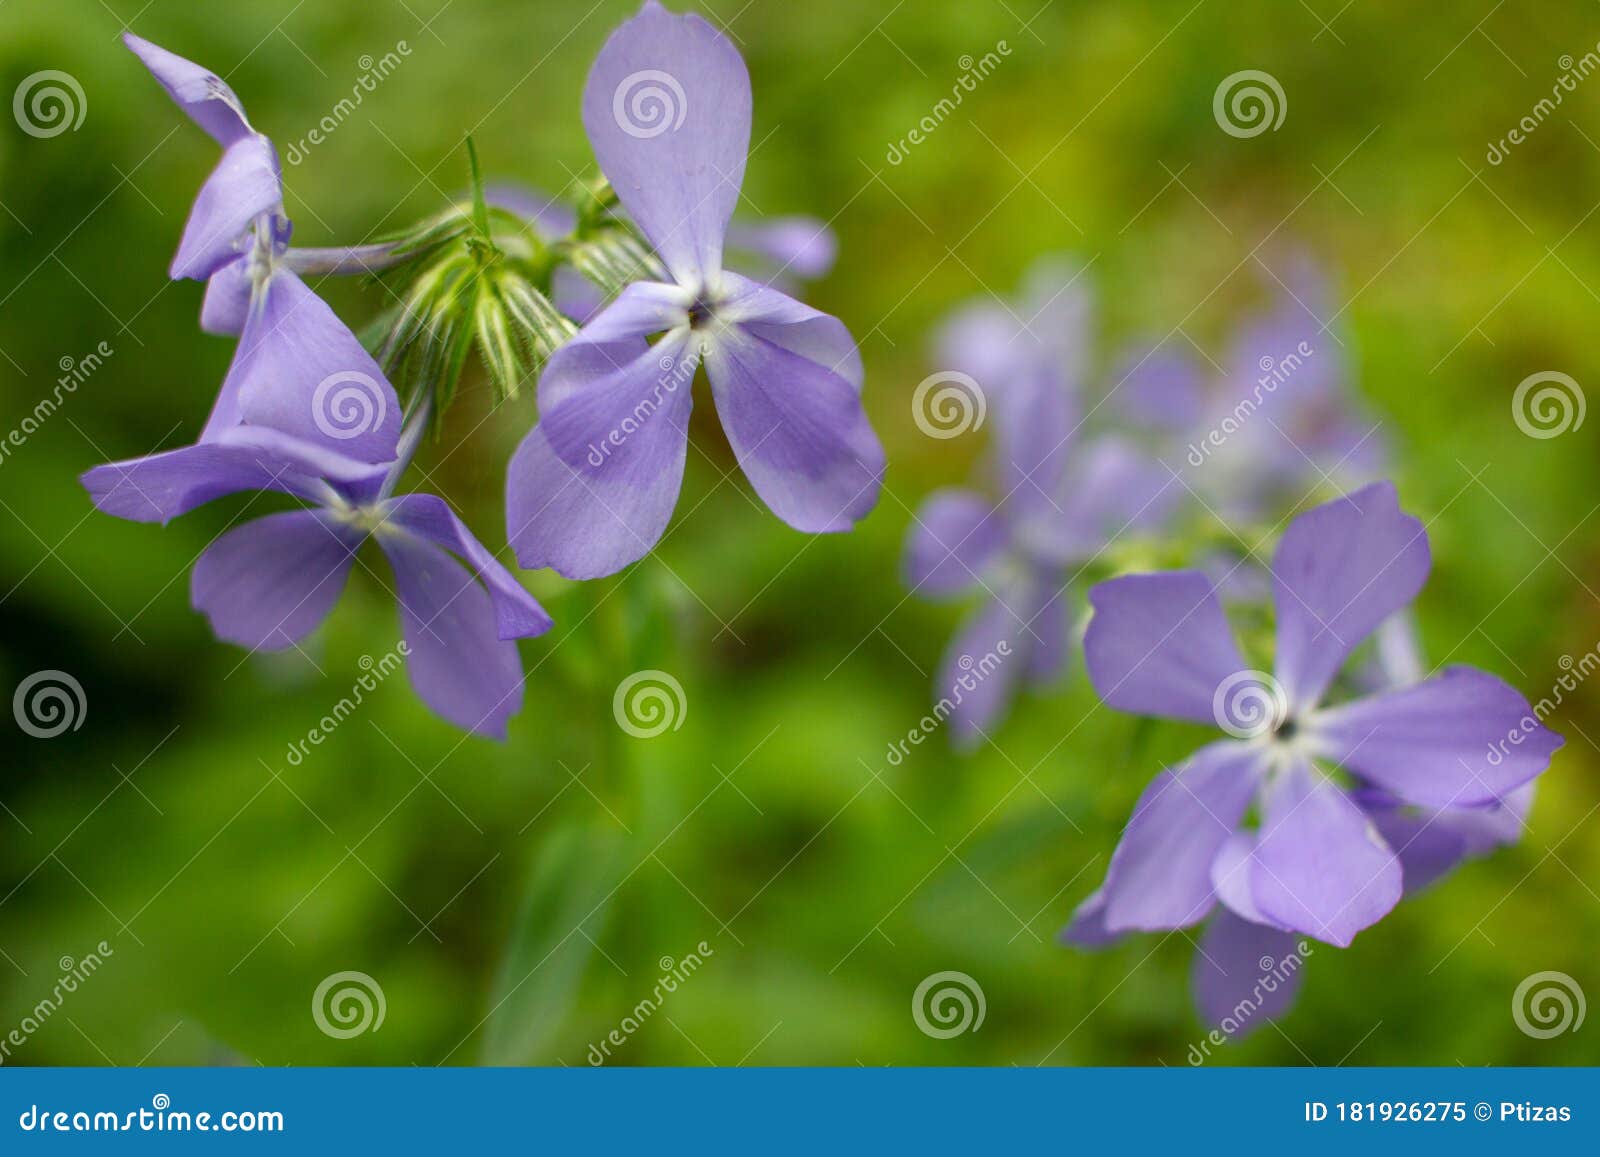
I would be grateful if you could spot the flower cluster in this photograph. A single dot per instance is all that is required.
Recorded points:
(614, 302)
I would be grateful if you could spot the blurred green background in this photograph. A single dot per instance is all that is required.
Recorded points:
(826, 883)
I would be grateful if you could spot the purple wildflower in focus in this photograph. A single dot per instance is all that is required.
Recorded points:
(1317, 864)
(1061, 502)
(268, 583)
(592, 487)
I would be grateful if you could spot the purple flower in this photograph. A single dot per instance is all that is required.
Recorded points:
(268, 583)
(1317, 864)
(1061, 503)
(1044, 333)
(590, 490)
(297, 368)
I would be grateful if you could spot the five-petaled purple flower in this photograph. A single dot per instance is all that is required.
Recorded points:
(590, 490)
(1317, 864)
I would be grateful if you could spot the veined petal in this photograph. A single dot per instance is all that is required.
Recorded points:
(1320, 867)
(1340, 570)
(203, 95)
(1159, 644)
(244, 185)
(518, 614)
(1460, 738)
(267, 584)
(457, 662)
(667, 111)
(1160, 874)
(957, 533)
(1245, 974)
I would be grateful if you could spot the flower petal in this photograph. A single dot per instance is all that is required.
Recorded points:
(518, 614)
(245, 184)
(1460, 738)
(458, 664)
(1111, 489)
(300, 370)
(1035, 418)
(1050, 637)
(1087, 928)
(802, 247)
(1340, 570)
(163, 486)
(1159, 388)
(1160, 874)
(667, 111)
(203, 95)
(957, 533)
(1245, 974)
(268, 583)
(1320, 867)
(1231, 876)
(1159, 644)
(983, 664)
(227, 301)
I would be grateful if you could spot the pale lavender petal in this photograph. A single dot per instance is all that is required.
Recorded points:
(1112, 490)
(267, 584)
(1034, 418)
(776, 317)
(1051, 645)
(1428, 849)
(575, 295)
(163, 486)
(458, 664)
(981, 341)
(1460, 738)
(518, 614)
(227, 301)
(1159, 644)
(983, 666)
(1160, 874)
(1340, 570)
(800, 246)
(204, 96)
(1245, 974)
(552, 216)
(1320, 867)
(1159, 388)
(1231, 877)
(244, 185)
(1087, 928)
(667, 111)
(955, 536)
(300, 370)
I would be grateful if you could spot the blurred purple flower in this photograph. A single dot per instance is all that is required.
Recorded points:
(268, 583)
(591, 488)
(1044, 332)
(1159, 644)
